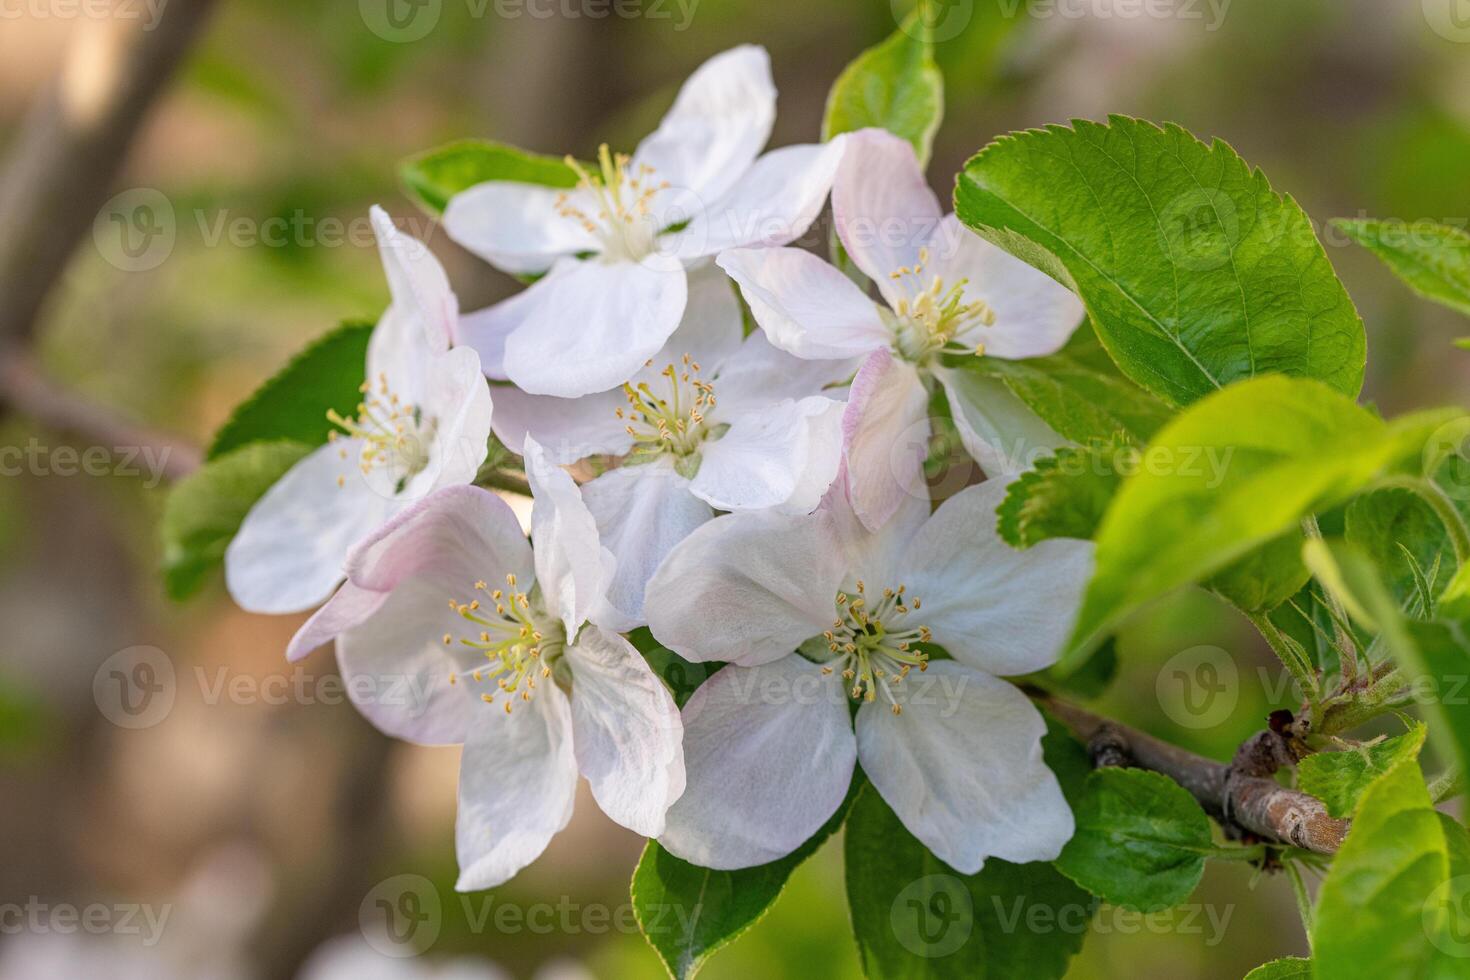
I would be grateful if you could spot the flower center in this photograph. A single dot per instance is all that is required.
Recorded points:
(673, 423)
(519, 645)
(872, 646)
(394, 434)
(934, 317)
(623, 221)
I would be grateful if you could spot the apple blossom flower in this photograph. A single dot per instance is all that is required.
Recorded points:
(712, 422)
(615, 247)
(423, 423)
(810, 611)
(945, 291)
(450, 628)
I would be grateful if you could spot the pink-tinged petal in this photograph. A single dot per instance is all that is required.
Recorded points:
(517, 785)
(1034, 314)
(518, 228)
(996, 428)
(629, 736)
(456, 536)
(572, 567)
(747, 588)
(1000, 610)
(417, 282)
(485, 331)
(287, 556)
(769, 754)
(592, 326)
(768, 455)
(348, 607)
(962, 768)
(642, 512)
(882, 206)
(886, 437)
(805, 306)
(719, 122)
(400, 673)
(773, 204)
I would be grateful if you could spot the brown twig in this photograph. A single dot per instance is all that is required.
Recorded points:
(1241, 796)
(24, 390)
(73, 144)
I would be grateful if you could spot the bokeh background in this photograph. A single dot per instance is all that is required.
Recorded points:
(258, 807)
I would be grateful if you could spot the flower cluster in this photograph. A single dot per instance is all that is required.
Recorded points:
(750, 489)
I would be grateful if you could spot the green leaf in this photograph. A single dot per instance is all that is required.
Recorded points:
(1286, 968)
(1390, 906)
(916, 917)
(204, 510)
(1394, 525)
(293, 404)
(1141, 840)
(1230, 474)
(1432, 260)
(1082, 397)
(1338, 779)
(687, 913)
(1195, 271)
(434, 177)
(894, 86)
(1061, 496)
(1266, 577)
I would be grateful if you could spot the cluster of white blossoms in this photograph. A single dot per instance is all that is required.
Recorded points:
(754, 496)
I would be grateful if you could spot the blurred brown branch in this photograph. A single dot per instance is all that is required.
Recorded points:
(72, 146)
(1242, 796)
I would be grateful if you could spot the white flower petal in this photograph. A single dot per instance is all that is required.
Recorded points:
(569, 429)
(592, 326)
(397, 668)
(997, 429)
(458, 407)
(417, 282)
(287, 556)
(719, 122)
(762, 459)
(805, 306)
(882, 206)
(774, 203)
(456, 536)
(886, 438)
(962, 768)
(1034, 314)
(572, 567)
(1003, 611)
(760, 373)
(517, 784)
(769, 754)
(517, 227)
(628, 732)
(642, 512)
(747, 588)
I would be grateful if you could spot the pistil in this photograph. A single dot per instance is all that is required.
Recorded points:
(873, 645)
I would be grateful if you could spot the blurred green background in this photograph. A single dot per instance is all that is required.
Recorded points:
(299, 111)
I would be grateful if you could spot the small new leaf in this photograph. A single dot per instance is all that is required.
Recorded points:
(434, 177)
(1062, 496)
(894, 86)
(1339, 779)
(1432, 260)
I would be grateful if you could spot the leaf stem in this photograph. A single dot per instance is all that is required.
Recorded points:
(1299, 889)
